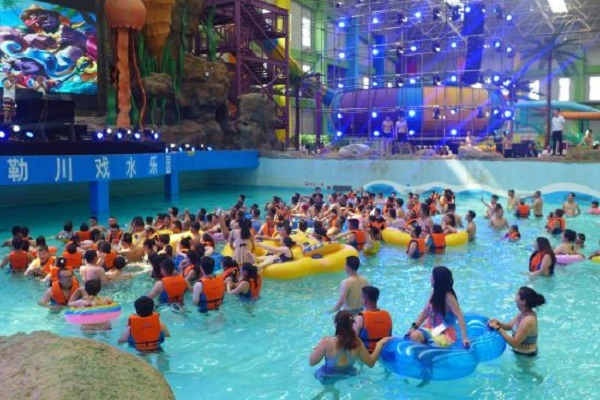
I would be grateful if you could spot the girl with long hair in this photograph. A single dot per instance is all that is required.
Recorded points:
(342, 350)
(242, 242)
(543, 259)
(524, 326)
(250, 284)
(441, 314)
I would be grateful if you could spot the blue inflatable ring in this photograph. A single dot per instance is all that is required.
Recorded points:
(415, 360)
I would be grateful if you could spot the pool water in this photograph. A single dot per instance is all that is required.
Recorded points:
(260, 351)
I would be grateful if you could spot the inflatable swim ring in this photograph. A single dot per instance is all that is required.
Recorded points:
(401, 238)
(596, 259)
(321, 249)
(305, 266)
(395, 236)
(92, 315)
(407, 358)
(373, 250)
(566, 259)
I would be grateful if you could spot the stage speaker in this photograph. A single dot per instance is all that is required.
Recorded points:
(473, 29)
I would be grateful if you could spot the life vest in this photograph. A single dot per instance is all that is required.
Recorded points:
(233, 272)
(109, 259)
(377, 224)
(84, 235)
(553, 221)
(187, 270)
(359, 239)
(18, 260)
(265, 230)
(46, 267)
(145, 332)
(255, 287)
(74, 260)
(376, 325)
(332, 221)
(513, 236)
(523, 211)
(114, 238)
(535, 262)
(410, 222)
(213, 291)
(420, 247)
(58, 296)
(174, 287)
(438, 243)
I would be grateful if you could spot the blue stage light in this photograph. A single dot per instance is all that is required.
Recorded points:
(418, 14)
(374, 114)
(454, 45)
(137, 136)
(412, 113)
(341, 55)
(99, 135)
(412, 81)
(376, 133)
(339, 134)
(342, 24)
(453, 132)
(413, 47)
(2, 135)
(375, 51)
(375, 20)
(339, 115)
(411, 132)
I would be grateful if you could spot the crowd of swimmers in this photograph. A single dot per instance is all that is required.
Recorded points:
(184, 265)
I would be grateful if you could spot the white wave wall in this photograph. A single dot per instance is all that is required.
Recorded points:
(420, 175)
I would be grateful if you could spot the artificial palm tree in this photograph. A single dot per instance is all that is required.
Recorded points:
(551, 50)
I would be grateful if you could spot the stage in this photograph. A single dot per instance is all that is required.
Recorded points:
(13, 148)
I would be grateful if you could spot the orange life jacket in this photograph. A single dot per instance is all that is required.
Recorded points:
(109, 260)
(410, 222)
(74, 260)
(233, 272)
(213, 291)
(114, 238)
(359, 240)
(49, 263)
(523, 211)
(420, 247)
(18, 260)
(145, 332)
(377, 224)
(376, 325)
(58, 296)
(513, 236)
(84, 235)
(265, 230)
(553, 221)
(535, 262)
(187, 270)
(174, 287)
(438, 243)
(255, 287)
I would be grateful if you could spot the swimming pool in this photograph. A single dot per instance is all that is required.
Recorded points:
(261, 351)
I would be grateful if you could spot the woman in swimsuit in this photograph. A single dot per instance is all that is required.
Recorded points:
(342, 350)
(524, 326)
(278, 254)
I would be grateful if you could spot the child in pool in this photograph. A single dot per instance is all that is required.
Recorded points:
(567, 245)
(89, 297)
(513, 233)
(144, 330)
(594, 208)
(580, 241)
(117, 274)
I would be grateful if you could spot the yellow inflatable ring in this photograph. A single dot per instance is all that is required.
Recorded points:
(457, 239)
(373, 250)
(596, 259)
(322, 249)
(305, 266)
(395, 236)
(258, 251)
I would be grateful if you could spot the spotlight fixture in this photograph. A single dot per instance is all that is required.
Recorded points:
(339, 134)
(509, 17)
(399, 81)
(453, 111)
(399, 49)
(496, 111)
(508, 113)
(29, 136)
(412, 81)
(340, 84)
(374, 114)
(436, 47)
(375, 84)
(496, 78)
(437, 14)
(412, 113)
(453, 132)
(411, 132)
(497, 44)
(339, 115)
(108, 131)
(413, 47)
(467, 8)
(454, 44)
(402, 18)
(453, 78)
(376, 133)
(437, 81)
(3, 135)
(99, 136)
(418, 15)
(507, 81)
(16, 128)
(375, 51)
(437, 113)
(341, 24)
(341, 55)
(498, 11)
(375, 20)
(137, 136)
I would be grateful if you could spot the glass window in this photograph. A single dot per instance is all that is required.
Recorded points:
(594, 88)
(306, 33)
(534, 90)
(564, 89)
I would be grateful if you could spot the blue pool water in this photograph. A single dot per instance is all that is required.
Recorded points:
(261, 351)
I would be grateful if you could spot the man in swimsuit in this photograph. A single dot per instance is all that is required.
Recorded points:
(570, 207)
(351, 288)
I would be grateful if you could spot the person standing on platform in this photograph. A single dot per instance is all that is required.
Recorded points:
(387, 127)
(9, 98)
(558, 124)
(400, 132)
